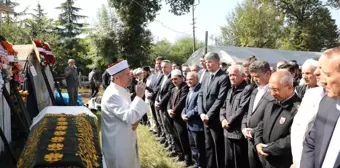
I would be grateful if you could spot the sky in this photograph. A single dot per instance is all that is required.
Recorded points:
(210, 16)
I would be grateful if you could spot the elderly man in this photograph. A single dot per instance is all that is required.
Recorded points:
(195, 125)
(309, 77)
(120, 118)
(260, 72)
(176, 104)
(281, 63)
(211, 98)
(306, 114)
(71, 74)
(272, 138)
(321, 145)
(232, 112)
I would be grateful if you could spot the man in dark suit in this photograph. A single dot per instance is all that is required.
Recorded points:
(155, 85)
(321, 145)
(272, 138)
(232, 112)
(176, 104)
(211, 98)
(194, 123)
(260, 72)
(162, 99)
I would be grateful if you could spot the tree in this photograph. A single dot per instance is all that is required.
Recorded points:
(104, 48)
(68, 20)
(134, 39)
(253, 24)
(179, 52)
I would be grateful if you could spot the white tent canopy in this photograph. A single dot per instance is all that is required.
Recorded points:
(230, 54)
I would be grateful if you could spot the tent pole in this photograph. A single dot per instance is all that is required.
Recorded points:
(7, 146)
(20, 102)
(14, 110)
(50, 92)
(57, 86)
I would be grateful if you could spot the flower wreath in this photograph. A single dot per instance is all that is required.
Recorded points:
(15, 70)
(46, 55)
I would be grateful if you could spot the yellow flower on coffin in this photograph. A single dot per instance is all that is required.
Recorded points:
(62, 123)
(57, 139)
(61, 128)
(59, 133)
(53, 157)
(62, 119)
(55, 146)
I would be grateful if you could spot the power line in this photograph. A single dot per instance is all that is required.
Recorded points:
(163, 25)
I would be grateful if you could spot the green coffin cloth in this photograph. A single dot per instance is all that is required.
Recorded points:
(80, 137)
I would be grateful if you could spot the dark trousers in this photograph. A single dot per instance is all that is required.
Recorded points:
(253, 157)
(214, 144)
(197, 145)
(155, 117)
(170, 133)
(182, 135)
(236, 153)
(73, 95)
(94, 90)
(161, 122)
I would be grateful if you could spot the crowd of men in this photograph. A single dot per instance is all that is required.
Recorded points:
(245, 114)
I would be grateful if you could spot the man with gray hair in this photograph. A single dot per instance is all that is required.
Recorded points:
(272, 138)
(71, 75)
(308, 69)
(231, 114)
(211, 98)
(260, 72)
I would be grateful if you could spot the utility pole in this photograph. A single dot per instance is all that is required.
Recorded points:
(193, 29)
(193, 26)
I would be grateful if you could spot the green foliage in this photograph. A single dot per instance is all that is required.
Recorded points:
(334, 3)
(68, 26)
(103, 48)
(253, 24)
(178, 52)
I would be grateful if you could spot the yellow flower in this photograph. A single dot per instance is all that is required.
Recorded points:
(53, 157)
(57, 139)
(62, 119)
(62, 123)
(59, 133)
(61, 128)
(55, 146)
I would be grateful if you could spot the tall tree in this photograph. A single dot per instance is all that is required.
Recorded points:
(134, 39)
(253, 24)
(104, 48)
(306, 23)
(68, 20)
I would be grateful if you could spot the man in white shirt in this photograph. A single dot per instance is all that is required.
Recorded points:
(260, 72)
(120, 118)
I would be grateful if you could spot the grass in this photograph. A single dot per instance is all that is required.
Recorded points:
(151, 152)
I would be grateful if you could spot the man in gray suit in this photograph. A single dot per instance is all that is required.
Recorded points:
(321, 146)
(210, 100)
(71, 74)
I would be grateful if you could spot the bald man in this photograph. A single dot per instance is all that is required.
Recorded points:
(272, 138)
(281, 63)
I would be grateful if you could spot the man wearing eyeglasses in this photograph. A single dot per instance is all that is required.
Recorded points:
(272, 137)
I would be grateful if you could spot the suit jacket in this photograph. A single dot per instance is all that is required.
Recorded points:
(234, 108)
(199, 74)
(194, 122)
(156, 86)
(179, 103)
(252, 118)
(301, 90)
(274, 130)
(319, 135)
(212, 96)
(164, 93)
(71, 77)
